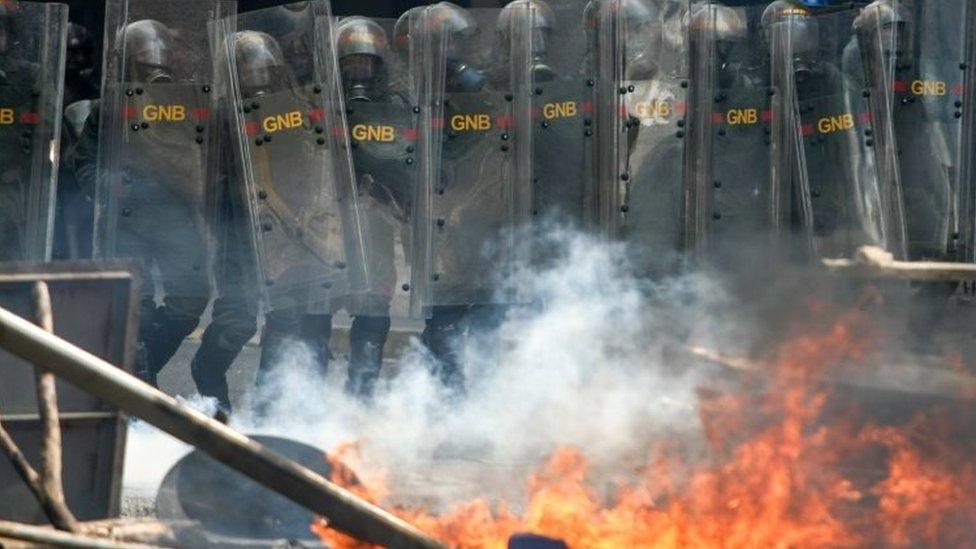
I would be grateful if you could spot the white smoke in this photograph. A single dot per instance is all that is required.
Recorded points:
(596, 363)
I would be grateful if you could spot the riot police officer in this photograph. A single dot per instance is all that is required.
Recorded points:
(386, 175)
(563, 130)
(821, 134)
(31, 79)
(643, 102)
(728, 165)
(150, 191)
(74, 221)
(477, 116)
(262, 71)
(925, 212)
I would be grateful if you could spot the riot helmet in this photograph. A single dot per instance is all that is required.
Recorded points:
(722, 24)
(451, 25)
(884, 26)
(260, 64)
(790, 31)
(149, 52)
(362, 48)
(79, 50)
(401, 31)
(639, 33)
(536, 17)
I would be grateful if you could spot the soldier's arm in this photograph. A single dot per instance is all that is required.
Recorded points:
(84, 155)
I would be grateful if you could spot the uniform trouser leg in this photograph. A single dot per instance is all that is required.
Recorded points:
(172, 323)
(283, 330)
(147, 325)
(233, 325)
(442, 337)
(366, 341)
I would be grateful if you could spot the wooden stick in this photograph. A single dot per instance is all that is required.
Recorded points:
(47, 406)
(873, 262)
(40, 535)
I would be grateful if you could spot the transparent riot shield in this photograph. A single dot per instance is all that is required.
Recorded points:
(292, 155)
(380, 86)
(479, 190)
(822, 132)
(728, 169)
(563, 88)
(31, 77)
(913, 57)
(157, 140)
(645, 84)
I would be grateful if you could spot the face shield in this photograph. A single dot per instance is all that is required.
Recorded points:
(793, 36)
(881, 27)
(260, 64)
(149, 49)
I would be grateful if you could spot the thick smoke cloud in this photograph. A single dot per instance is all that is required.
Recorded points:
(599, 361)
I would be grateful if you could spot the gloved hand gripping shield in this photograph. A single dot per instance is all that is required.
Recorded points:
(478, 111)
(292, 155)
(381, 90)
(643, 56)
(824, 181)
(729, 207)
(32, 46)
(157, 138)
(913, 57)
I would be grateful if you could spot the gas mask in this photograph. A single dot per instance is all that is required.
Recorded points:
(883, 26)
(463, 77)
(260, 63)
(361, 46)
(360, 73)
(793, 36)
(537, 17)
(149, 49)
(722, 29)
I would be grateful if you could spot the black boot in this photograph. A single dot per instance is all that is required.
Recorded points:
(366, 341)
(233, 325)
(442, 337)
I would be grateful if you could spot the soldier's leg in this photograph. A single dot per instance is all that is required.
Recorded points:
(234, 323)
(173, 322)
(280, 332)
(186, 289)
(366, 341)
(442, 336)
(147, 326)
(316, 334)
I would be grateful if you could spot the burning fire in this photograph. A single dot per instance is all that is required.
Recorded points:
(792, 461)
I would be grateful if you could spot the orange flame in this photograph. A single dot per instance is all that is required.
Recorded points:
(790, 464)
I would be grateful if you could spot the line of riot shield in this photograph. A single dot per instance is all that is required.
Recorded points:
(158, 140)
(380, 86)
(823, 132)
(292, 156)
(563, 86)
(729, 204)
(478, 194)
(643, 50)
(32, 46)
(913, 58)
